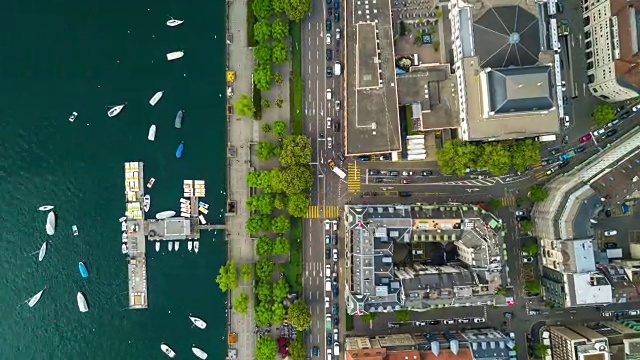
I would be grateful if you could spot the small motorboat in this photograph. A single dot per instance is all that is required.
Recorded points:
(167, 350)
(203, 210)
(51, 223)
(199, 352)
(83, 270)
(165, 214)
(196, 246)
(151, 181)
(32, 301)
(43, 251)
(146, 203)
(82, 302)
(124, 237)
(180, 150)
(202, 220)
(176, 245)
(203, 205)
(122, 219)
(190, 245)
(179, 116)
(175, 55)
(124, 226)
(155, 98)
(115, 110)
(170, 245)
(174, 22)
(157, 245)
(73, 116)
(198, 322)
(74, 228)
(45, 207)
(152, 133)
(124, 248)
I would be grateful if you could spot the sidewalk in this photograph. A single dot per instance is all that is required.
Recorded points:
(240, 133)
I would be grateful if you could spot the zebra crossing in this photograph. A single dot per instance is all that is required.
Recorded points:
(353, 178)
(476, 182)
(322, 212)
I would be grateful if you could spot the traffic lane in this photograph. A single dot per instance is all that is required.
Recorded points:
(315, 287)
(399, 165)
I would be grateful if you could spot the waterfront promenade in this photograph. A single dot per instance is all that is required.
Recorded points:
(240, 133)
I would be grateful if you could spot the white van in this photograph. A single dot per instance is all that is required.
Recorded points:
(336, 349)
(337, 68)
(328, 98)
(327, 271)
(327, 285)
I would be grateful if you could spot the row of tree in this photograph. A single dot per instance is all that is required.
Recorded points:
(227, 280)
(264, 222)
(456, 156)
(267, 246)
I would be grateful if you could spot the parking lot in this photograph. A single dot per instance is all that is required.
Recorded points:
(625, 228)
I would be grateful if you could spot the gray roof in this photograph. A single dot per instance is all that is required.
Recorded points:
(520, 89)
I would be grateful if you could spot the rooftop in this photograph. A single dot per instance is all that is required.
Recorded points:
(628, 16)
(621, 181)
(519, 89)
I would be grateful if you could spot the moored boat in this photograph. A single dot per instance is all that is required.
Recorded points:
(124, 248)
(51, 223)
(124, 226)
(196, 246)
(73, 116)
(167, 350)
(199, 352)
(43, 251)
(115, 110)
(179, 116)
(146, 203)
(151, 182)
(155, 98)
(165, 214)
(202, 220)
(190, 245)
(176, 245)
(122, 219)
(198, 322)
(83, 270)
(174, 22)
(74, 228)
(152, 133)
(175, 55)
(157, 245)
(180, 150)
(45, 207)
(32, 301)
(124, 237)
(82, 302)
(170, 245)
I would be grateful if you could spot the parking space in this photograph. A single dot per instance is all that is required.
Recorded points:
(619, 230)
(415, 11)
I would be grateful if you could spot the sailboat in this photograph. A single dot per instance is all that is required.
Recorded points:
(45, 207)
(170, 245)
(178, 122)
(146, 202)
(82, 302)
(176, 245)
(198, 322)
(32, 301)
(199, 352)
(167, 350)
(190, 245)
(156, 97)
(196, 246)
(42, 252)
(157, 245)
(152, 133)
(51, 223)
(115, 110)
(174, 22)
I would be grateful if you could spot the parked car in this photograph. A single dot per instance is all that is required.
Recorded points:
(385, 157)
(338, 33)
(634, 312)
(335, 334)
(611, 232)
(464, 321)
(404, 194)
(335, 225)
(449, 321)
(329, 340)
(329, 74)
(327, 254)
(338, 105)
(334, 252)
(326, 302)
(527, 260)
(554, 151)
(316, 351)
(565, 140)
(328, 39)
(393, 173)
(373, 172)
(534, 312)
(406, 181)
(585, 138)
(378, 180)
(328, 25)
(426, 173)
(327, 224)
(329, 142)
(407, 173)
(335, 310)
(479, 320)
(434, 322)
(364, 158)
(327, 239)
(329, 55)
(598, 132)
(611, 132)
(580, 149)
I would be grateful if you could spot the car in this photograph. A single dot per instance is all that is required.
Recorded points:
(585, 138)
(336, 5)
(434, 322)
(329, 74)
(406, 181)
(599, 132)
(336, 16)
(613, 123)
(327, 239)
(564, 100)
(607, 213)
(611, 232)
(404, 194)
(611, 132)
(550, 171)
(563, 164)
(385, 157)
(334, 238)
(338, 33)
(463, 321)
(316, 351)
(625, 115)
(336, 321)
(335, 225)
(329, 143)
(522, 253)
(335, 291)
(545, 162)
(563, 84)
(329, 55)
(565, 140)
(335, 310)
(378, 180)
(426, 173)
(364, 158)
(527, 260)
(328, 94)
(560, 7)
(610, 245)
(327, 254)
(328, 2)
(341, 155)
(534, 312)
(327, 302)
(449, 321)
(567, 121)
(328, 39)
(329, 340)
(338, 104)
(327, 224)
(580, 149)
(336, 126)
(328, 122)
(479, 320)
(330, 11)
(407, 173)
(394, 173)
(334, 252)
(335, 334)
(554, 151)
(634, 312)
(373, 172)
(593, 221)
(328, 25)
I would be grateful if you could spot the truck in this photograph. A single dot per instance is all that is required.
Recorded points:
(337, 170)
(544, 138)
(567, 155)
(328, 322)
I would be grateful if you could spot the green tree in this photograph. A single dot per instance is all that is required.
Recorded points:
(262, 53)
(279, 102)
(370, 316)
(293, 179)
(280, 202)
(495, 204)
(540, 350)
(296, 150)
(280, 289)
(258, 222)
(537, 193)
(264, 268)
(266, 128)
(298, 204)
(279, 128)
(299, 315)
(501, 291)
(524, 153)
(263, 76)
(438, 13)
(456, 156)
(266, 348)
(244, 106)
(279, 52)
(402, 315)
(227, 278)
(241, 303)
(281, 246)
(526, 225)
(262, 30)
(278, 6)
(297, 9)
(264, 291)
(265, 150)
(259, 179)
(297, 350)
(533, 286)
(495, 157)
(262, 313)
(264, 246)
(261, 202)
(262, 9)
(279, 80)
(245, 271)
(280, 224)
(530, 248)
(277, 312)
(279, 29)
(265, 103)
(603, 113)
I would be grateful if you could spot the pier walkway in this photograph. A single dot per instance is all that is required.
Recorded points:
(135, 240)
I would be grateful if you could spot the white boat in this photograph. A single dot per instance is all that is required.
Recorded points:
(202, 220)
(178, 122)
(165, 214)
(146, 203)
(167, 350)
(175, 55)
(82, 303)
(176, 245)
(51, 223)
(124, 248)
(152, 133)
(74, 228)
(170, 245)
(122, 219)
(32, 301)
(196, 246)
(174, 22)
(73, 116)
(43, 251)
(190, 245)
(124, 237)
(157, 245)
(45, 207)
(198, 322)
(155, 98)
(199, 352)
(115, 110)
(124, 226)
(151, 181)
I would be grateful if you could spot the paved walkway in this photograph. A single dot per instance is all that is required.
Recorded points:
(241, 132)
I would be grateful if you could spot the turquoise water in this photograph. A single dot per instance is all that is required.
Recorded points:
(64, 56)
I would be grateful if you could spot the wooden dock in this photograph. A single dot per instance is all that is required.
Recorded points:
(212, 227)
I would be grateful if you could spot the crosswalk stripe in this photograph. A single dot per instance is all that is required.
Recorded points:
(322, 212)
(353, 178)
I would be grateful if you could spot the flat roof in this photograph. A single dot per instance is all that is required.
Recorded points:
(520, 89)
(620, 182)
(371, 107)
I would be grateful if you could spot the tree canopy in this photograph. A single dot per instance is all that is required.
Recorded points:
(524, 153)
(456, 156)
(264, 246)
(258, 222)
(298, 204)
(297, 350)
(262, 313)
(263, 76)
(530, 248)
(402, 315)
(278, 6)
(370, 316)
(292, 180)
(264, 268)
(280, 224)
(280, 290)
(279, 52)
(245, 271)
(279, 29)
(526, 225)
(280, 202)
(297, 9)
(241, 303)
(262, 9)
(537, 193)
(264, 291)
(244, 106)
(495, 157)
(533, 286)
(281, 246)
(262, 53)
(603, 113)
(299, 315)
(277, 312)
(296, 150)
(259, 179)
(227, 278)
(266, 348)
(262, 30)
(261, 202)
(279, 128)
(540, 350)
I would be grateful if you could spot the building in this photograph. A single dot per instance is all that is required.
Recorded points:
(508, 88)
(571, 275)
(611, 49)
(578, 343)
(421, 256)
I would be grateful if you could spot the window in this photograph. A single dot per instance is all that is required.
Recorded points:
(587, 44)
(591, 78)
(586, 20)
(604, 97)
(587, 35)
(588, 55)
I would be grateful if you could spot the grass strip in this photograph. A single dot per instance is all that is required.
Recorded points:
(293, 269)
(251, 20)
(295, 83)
